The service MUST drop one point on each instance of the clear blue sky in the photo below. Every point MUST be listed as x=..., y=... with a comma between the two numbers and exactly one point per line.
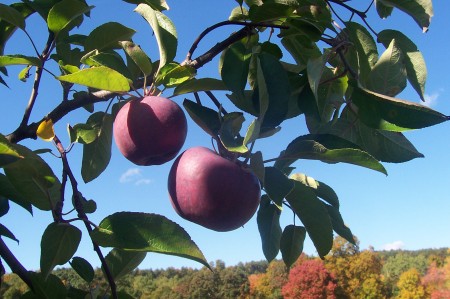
x=408, y=209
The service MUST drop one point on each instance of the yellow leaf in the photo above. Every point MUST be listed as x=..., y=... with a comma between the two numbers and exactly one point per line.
x=45, y=130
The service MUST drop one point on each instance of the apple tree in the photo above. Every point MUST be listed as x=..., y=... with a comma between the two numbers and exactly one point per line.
x=316, y=60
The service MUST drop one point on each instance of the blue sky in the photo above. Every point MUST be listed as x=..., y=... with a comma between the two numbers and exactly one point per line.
x=408, y=209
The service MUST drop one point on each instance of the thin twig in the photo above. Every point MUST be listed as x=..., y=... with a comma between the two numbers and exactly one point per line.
x=216, y=102
x=82, y=215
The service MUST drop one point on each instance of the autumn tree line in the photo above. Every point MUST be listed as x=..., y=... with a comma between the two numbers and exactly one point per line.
x=346, y=273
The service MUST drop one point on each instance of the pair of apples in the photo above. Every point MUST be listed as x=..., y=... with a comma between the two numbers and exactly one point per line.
x=204, y=187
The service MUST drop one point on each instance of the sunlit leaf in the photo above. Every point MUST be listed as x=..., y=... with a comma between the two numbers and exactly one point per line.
x=45, y=130
x=416, y=69
x=365, y=46
x=196, y=85
x=155, y=4
x=313, y=215
x=139, y=57
x=382, y=112
x=229, y=132
x=330, y=149
x=33, y=179
x=291, y=244
x=107, y=36
x=58, y=244
x=147, y=233
x=388, y=75
x=164, y=30
x=268, y=219
x=420, y=10
x=99, y=77
x=122, y=262
x=64, y=12
x=19, y=60
x=173, y=74
x=270, y=12
x=7, y=152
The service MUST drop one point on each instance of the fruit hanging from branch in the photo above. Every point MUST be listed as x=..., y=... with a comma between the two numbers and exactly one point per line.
x=150, y=131
x=212, y=191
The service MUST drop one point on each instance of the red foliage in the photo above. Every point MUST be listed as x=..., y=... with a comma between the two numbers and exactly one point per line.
x=309, y=280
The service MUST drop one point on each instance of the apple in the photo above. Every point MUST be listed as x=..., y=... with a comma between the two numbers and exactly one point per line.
x=150, y=130
x=213, y=191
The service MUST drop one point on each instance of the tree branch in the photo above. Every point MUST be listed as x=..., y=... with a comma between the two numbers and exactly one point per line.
x=14, y=264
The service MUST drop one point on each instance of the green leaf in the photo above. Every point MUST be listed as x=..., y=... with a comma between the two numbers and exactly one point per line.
x=301, y=47
x=83, y=133
x=4, y=207
x=257, y=166
x=83, y=268
x=58, y=245
x=19, y=60
x=383, y=10
x=196, y=85
x=315, y=68
x=234, y=67
x=238, y=13
x=206, y=118
x=155, y=4
x=330, y=149
x=7, y=152
x=107, y=36
x=229, y=133
x=148, y=233
x=321, y=190
x=420, y=10
x=97, y=154
x=291, y=243
x=100, y=78
x=278, y=91
x=4, y=231
x=385, y=146
x=63, y=13
x=8, y=191
x=338, y=224
x=365, y=46
x=139, y=57
x=386, y=113
x=50, y=287
x=33, y=179
x=277, y=185
x=270, y=12
x=313, y=215
x=388, y=75
x=164, y=30
x=268, y=219
x=12, y=16
x=173, y=74
x=416, y=69
x=122, y=262
x=111, y=60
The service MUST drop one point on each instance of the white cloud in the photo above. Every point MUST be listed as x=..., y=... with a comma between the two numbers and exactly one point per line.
x=134, y=176
x=394, y=245
x=130, y=175
x=431, y=99
x=143, y=182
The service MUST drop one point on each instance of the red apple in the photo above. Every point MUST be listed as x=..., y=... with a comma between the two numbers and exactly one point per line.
x=213, y=191
x=150, y=131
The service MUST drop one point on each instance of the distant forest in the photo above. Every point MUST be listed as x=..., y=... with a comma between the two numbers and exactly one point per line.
x=346, y=272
